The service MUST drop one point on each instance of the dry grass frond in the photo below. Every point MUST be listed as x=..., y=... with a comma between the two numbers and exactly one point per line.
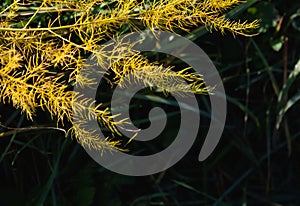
x=44, y=44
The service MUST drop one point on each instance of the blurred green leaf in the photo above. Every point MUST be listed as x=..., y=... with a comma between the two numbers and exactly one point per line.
x=295, y=18
x=267, y=13
x=277, y=43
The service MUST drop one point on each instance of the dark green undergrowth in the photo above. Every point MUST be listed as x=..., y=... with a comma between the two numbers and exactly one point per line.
x=255, y=163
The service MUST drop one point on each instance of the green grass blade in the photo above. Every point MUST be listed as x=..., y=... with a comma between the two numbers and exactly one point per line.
x=182, y=184
x=282, y=109
x=241, y=8
x=267, y=66
x=251, y=169
x=12, y=138
x=244, y=109
x=47, y=187
x=291, y=102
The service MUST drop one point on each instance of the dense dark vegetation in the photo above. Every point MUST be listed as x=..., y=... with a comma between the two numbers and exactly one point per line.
x=255, y=163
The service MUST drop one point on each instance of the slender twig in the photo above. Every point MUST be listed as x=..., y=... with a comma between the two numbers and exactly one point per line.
x=28, y=129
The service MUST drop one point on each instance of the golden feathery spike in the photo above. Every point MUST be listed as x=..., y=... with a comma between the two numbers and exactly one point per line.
x=28, y=52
